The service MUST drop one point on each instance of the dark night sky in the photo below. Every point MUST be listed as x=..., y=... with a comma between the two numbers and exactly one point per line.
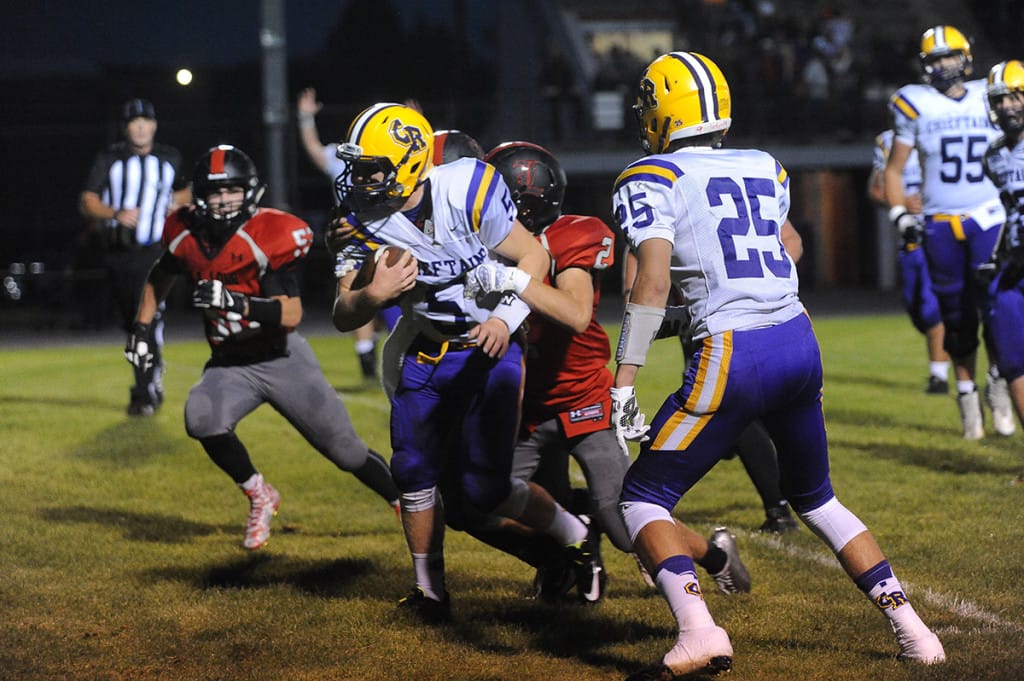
x=77, y=35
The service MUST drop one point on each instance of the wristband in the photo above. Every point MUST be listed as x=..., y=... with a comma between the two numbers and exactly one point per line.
x=265, y=310
x=520, y=280
x=640, y=325
x=307, y=120
x=513, y=313
x=895, y=212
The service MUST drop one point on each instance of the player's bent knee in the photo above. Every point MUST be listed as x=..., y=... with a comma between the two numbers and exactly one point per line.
x=515, y=503
x=639, y=514
x=834, y=523
x=420, y=500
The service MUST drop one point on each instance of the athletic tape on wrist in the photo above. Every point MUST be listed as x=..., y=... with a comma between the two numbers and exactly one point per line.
x=640, y=325
x=895, y=212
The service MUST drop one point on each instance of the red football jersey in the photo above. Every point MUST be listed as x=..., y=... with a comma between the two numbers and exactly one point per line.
x=271, y=240
x=567, y=374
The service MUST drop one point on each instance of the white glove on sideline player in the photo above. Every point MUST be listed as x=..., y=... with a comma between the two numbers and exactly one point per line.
x=626, y=416
x=493, y=277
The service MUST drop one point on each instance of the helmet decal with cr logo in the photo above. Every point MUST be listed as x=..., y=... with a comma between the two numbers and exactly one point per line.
x=407, y=135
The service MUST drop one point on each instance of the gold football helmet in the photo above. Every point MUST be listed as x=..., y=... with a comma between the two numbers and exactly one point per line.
x=942, y=41
x=1006, y=96
x=681, y=94
x=388, y=153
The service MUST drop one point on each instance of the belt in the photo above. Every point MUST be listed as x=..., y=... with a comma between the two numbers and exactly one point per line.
x=956, y=223
x=431, y=352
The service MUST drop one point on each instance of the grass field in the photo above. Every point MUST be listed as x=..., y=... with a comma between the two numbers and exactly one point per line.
x=120, y=552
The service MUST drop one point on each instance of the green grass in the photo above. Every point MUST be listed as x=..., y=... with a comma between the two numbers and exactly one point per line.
x=120, y=551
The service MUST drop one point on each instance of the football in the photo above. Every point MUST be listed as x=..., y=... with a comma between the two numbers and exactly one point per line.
x=364, y=275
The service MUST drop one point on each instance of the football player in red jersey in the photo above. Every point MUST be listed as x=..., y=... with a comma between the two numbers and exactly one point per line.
x=567, y=399
x=242, y=262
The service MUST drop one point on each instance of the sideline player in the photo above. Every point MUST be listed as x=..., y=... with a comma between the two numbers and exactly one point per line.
x=1004, y=164
x=918, y=298
x=947, y=122
x=243, y=262
x=709, y=220
x=455, y=407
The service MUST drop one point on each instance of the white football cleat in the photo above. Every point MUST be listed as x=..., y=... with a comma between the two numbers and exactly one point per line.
x=970, y=415
x=997, y=395
x=706, y=650
x=923, y=649
x=264, y=501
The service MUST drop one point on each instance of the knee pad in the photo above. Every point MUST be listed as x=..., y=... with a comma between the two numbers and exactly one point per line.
x=515, y=503
x=420, y=500
x=959, y=343
x=638, y=514
x=833, y=523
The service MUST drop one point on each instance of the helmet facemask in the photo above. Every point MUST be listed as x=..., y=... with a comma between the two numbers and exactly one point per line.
x=368, y=185
x=942, y=78
x=224, y=167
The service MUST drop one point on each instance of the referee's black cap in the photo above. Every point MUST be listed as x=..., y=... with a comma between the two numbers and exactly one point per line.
x=137, y=108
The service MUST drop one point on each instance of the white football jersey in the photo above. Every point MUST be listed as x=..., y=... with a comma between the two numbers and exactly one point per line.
x=723, y=210
x=911, y=171
x=1005, y=166
x=951, y=136
x=468, y=211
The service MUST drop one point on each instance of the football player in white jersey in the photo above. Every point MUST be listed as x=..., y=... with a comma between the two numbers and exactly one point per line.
x=918, y=298
x=710, y=220
x=946, y=121
x=455, y=407
x=1004, y=164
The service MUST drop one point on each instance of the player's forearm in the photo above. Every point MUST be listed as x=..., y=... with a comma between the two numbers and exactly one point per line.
x=311, y=142
x=352, y=309
x=558, y=306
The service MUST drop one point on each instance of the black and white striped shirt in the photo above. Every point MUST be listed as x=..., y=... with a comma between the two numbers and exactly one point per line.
x=123, y=179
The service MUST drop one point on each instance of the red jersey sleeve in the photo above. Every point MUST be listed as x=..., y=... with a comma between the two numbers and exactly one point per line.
x=579, y=241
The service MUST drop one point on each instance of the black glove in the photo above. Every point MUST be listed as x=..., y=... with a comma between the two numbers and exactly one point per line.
x=339, y=229
x=213, y=294
x=909, y=227
x=675, y=323
x=137, y=350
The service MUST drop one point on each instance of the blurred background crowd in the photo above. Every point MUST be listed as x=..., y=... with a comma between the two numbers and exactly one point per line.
x=810, y=80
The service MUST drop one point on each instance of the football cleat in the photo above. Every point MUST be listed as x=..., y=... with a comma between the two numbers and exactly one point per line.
x=429, y=610
x=704, y=652
x=970, y=415
x=264, y=501
x=997, y=396
x=778, y=520
x=923, y=649
x=733, y=578
x=590, y=575
x=937, y=386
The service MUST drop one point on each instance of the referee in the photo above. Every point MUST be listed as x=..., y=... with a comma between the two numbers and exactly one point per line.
x=132, y=187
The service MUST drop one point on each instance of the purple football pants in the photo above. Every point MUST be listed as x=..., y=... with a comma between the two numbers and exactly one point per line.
x=772, y=374
x=457, y=414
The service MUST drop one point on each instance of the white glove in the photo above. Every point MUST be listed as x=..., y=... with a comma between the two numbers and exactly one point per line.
x=493, y=277
x=137, y=351
x=626, y=416
x=211, y=293
x=908, y=225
